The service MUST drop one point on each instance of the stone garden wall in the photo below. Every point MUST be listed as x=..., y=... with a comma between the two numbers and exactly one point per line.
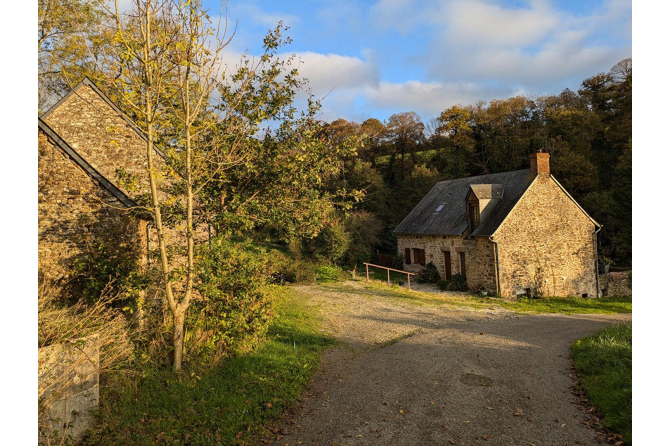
x=68, y=387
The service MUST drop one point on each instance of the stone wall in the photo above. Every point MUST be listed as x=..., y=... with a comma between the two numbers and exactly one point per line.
x=479, y=257
x=75, y=213
x=616, y=284
x=547, y=244
x=68, y=388
x=102, y=137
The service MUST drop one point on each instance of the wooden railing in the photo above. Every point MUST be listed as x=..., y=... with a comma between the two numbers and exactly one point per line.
x=388, y=273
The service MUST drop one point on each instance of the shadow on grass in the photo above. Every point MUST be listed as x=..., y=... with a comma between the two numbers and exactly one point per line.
x=226, y=404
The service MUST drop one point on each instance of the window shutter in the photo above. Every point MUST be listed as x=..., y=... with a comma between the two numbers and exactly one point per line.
x=423, y=257
x=408, y=256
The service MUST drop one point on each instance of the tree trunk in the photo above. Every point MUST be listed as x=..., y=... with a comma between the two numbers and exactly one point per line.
x=178, y=339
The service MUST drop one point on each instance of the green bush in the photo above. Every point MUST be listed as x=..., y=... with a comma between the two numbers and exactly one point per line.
x=328, y=273
x=235, y=308
x=458, y=283
x=331, y=244
x=284, y=269
x=399, y=262
x=429, y=274
x=107, y=266
x=443, y=284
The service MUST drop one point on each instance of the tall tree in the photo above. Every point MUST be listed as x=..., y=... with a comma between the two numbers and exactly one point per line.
x=66, y=31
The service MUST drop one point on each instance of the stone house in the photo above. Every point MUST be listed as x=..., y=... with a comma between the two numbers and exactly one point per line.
x=510, y=233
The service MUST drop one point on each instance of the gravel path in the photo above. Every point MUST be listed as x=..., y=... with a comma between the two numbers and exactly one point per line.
x=427, y=375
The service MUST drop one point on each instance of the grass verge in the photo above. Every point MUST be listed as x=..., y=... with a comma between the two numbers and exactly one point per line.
x=570, y=305
x=565, y=305
x=227, y=404
x=604, y=364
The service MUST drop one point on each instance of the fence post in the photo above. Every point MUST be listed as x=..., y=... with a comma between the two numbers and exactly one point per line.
x=367, y=273
x=388, y=277
x=409, y=283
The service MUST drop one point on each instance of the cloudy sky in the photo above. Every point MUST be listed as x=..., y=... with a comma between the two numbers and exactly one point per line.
x=373, y=59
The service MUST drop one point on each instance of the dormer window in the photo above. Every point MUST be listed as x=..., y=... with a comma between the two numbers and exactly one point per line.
x=473, y=215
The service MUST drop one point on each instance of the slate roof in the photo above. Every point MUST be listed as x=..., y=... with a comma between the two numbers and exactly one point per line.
x=74, y=156
x=451, y=220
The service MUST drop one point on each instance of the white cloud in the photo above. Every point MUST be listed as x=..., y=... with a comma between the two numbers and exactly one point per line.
x=483, y=23
x=426, y=98
x=536, y=48
x=328, y=72
x=261, y=17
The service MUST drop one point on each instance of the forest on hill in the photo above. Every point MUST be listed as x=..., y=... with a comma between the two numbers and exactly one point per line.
x=588, y=134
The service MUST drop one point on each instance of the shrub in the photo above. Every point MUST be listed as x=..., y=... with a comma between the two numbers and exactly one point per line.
x=458, y=283
x=234, y=308
x=328, y=273
x=284, y=269
x=331, y=244
x=109, y=266
x=443, y=284
x=429, y=274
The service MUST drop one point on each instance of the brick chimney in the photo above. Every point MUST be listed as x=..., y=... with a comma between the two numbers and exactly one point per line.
x=539, y=164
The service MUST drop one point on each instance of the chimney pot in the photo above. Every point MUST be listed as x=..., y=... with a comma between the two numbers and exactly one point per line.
x=539, y=164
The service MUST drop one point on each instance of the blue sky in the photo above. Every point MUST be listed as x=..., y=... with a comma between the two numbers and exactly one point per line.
x=375, y=58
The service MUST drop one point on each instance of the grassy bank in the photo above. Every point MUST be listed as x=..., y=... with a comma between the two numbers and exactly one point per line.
x=607, y=305
x=604, y=364
x=227, y=404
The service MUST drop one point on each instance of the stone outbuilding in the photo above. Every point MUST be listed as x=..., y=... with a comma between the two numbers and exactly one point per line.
x=509, y=233
x=78, y=208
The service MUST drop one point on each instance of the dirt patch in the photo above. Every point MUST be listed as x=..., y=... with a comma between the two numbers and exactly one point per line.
x=423, y=374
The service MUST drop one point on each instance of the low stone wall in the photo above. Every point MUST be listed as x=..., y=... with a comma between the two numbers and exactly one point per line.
x=68, y=388
x=616, y=284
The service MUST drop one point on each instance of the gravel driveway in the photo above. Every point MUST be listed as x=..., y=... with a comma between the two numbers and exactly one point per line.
x=437, y=375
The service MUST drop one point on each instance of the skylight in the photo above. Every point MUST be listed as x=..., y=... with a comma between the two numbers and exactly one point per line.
x=439, y=208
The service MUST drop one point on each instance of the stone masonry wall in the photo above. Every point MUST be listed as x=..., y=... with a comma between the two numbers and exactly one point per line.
x=102, y=137
x=74, y=212
x=547, y=244
x=68, y=388
x=616, y=284
x=479, y=257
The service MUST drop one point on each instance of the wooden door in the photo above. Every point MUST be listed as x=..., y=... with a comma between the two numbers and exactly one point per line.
x=447, y=266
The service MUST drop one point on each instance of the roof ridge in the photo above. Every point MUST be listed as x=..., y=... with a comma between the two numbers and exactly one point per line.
x=483, y=175
x=88, y=82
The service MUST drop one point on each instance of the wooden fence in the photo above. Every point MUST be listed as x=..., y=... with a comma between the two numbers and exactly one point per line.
x=388, y=273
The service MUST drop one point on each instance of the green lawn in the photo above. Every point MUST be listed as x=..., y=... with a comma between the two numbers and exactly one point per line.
x=604, y=363
x=226, y=405
x=577, y=305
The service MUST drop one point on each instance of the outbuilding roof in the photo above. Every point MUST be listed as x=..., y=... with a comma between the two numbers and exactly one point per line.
x=449, y=197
